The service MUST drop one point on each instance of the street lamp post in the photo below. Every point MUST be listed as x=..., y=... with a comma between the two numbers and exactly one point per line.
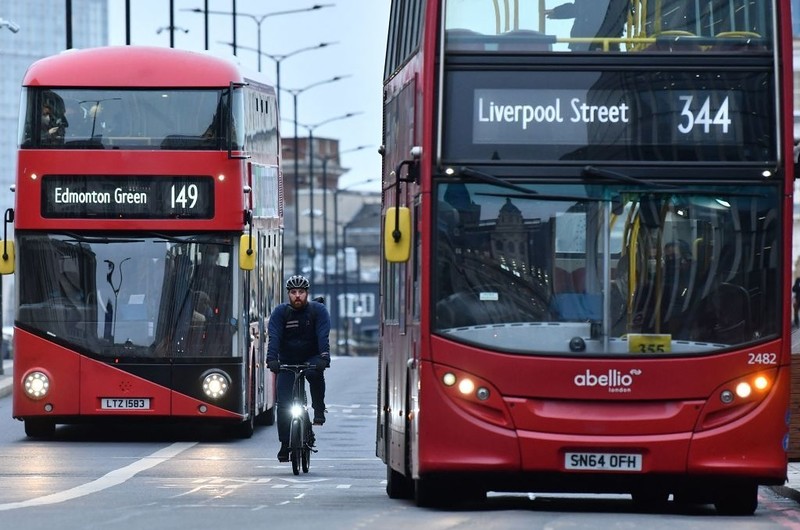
x=340, y=283
x=346, y=298
x=13, y=27
x=311, y=129
x=294, y=93
x=278, y=58
x=68, y=18
x=172, y=27
x=325, y=160
x=258, y=19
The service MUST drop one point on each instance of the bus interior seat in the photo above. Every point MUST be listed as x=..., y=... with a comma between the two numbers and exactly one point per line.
x=739, y=41
x=579, y=279
x=562, y=281
x=577, y=307
x=675, y=41
x=565, y=281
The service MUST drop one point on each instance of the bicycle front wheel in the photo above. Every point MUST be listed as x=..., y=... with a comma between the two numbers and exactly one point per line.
x=296, y=456
x=296, y=445
x=306, y=458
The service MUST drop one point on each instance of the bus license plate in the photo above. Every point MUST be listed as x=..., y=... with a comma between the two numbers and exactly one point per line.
x=125, y=403
x=603, y=461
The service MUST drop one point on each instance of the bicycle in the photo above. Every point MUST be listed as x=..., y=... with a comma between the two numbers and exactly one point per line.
x=301, y=435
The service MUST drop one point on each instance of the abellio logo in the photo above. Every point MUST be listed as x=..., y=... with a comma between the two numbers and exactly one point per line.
x=614, y=380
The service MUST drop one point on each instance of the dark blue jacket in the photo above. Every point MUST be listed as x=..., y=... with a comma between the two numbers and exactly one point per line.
x=295, y=336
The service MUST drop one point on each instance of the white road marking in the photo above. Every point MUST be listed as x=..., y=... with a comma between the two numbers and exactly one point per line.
x=110, y=479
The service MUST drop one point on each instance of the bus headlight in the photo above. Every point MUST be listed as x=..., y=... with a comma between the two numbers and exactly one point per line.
x=37, y=384
x=743, y=389
x=737, y=398
x=761, y=382
x=216, y=384
x=474, y=394
x=466, y=386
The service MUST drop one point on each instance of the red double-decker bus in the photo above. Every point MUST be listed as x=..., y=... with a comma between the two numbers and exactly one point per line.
x=148, y=237
x=587, y=244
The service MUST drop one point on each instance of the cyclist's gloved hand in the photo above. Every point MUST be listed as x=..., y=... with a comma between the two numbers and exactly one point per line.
x=274, y=366
x=324, y=361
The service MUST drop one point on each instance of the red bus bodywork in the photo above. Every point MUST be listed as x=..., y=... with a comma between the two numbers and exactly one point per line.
x=80, y=380
x=442, y=445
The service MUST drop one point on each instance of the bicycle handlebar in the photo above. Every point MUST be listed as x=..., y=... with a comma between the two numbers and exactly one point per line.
x=296, y=367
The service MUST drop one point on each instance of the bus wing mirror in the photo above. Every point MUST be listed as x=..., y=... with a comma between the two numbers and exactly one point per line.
x=397, y=234
x=247, y=253
x=6, y=257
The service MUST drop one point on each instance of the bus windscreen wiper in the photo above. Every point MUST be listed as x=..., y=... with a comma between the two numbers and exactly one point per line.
x=84, y=238
x=594, y=171
x=544, y=197
x=491, y=179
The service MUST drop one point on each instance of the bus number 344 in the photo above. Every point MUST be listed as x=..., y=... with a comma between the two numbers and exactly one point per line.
x=703, y=116
x=183, y=196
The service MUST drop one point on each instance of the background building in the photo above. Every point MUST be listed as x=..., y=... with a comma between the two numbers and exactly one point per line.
x=333, y=237
x=316, y=216
x=40, y=31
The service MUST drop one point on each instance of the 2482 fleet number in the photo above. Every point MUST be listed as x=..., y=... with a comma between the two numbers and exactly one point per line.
x=762, y=358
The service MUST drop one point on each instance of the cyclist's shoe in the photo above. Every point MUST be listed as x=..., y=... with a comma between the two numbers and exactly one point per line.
x=319, y=417
x=283, y=454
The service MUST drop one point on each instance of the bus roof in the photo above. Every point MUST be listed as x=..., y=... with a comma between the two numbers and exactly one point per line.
x=132, y=66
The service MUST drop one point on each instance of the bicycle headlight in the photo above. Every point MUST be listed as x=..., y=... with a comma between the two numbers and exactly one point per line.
x=296, y=411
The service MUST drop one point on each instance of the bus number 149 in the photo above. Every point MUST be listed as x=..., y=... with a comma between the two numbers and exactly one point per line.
x=183, y=196
x=690, y=119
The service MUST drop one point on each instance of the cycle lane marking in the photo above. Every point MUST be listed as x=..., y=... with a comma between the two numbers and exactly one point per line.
x=110, y=479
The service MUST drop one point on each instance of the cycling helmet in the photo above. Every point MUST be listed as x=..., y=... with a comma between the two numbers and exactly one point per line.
x=297, y=282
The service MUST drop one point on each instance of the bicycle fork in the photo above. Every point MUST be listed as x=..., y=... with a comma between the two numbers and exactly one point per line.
x=300, y=434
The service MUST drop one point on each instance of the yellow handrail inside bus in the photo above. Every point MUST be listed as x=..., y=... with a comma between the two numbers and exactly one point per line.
x=632, y=272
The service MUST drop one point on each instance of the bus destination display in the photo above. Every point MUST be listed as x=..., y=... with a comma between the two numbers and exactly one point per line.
x=130, y=197
x=513, y=116
x=715, y=116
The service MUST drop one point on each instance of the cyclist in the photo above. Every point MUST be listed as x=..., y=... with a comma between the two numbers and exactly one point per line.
x=298, y=333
